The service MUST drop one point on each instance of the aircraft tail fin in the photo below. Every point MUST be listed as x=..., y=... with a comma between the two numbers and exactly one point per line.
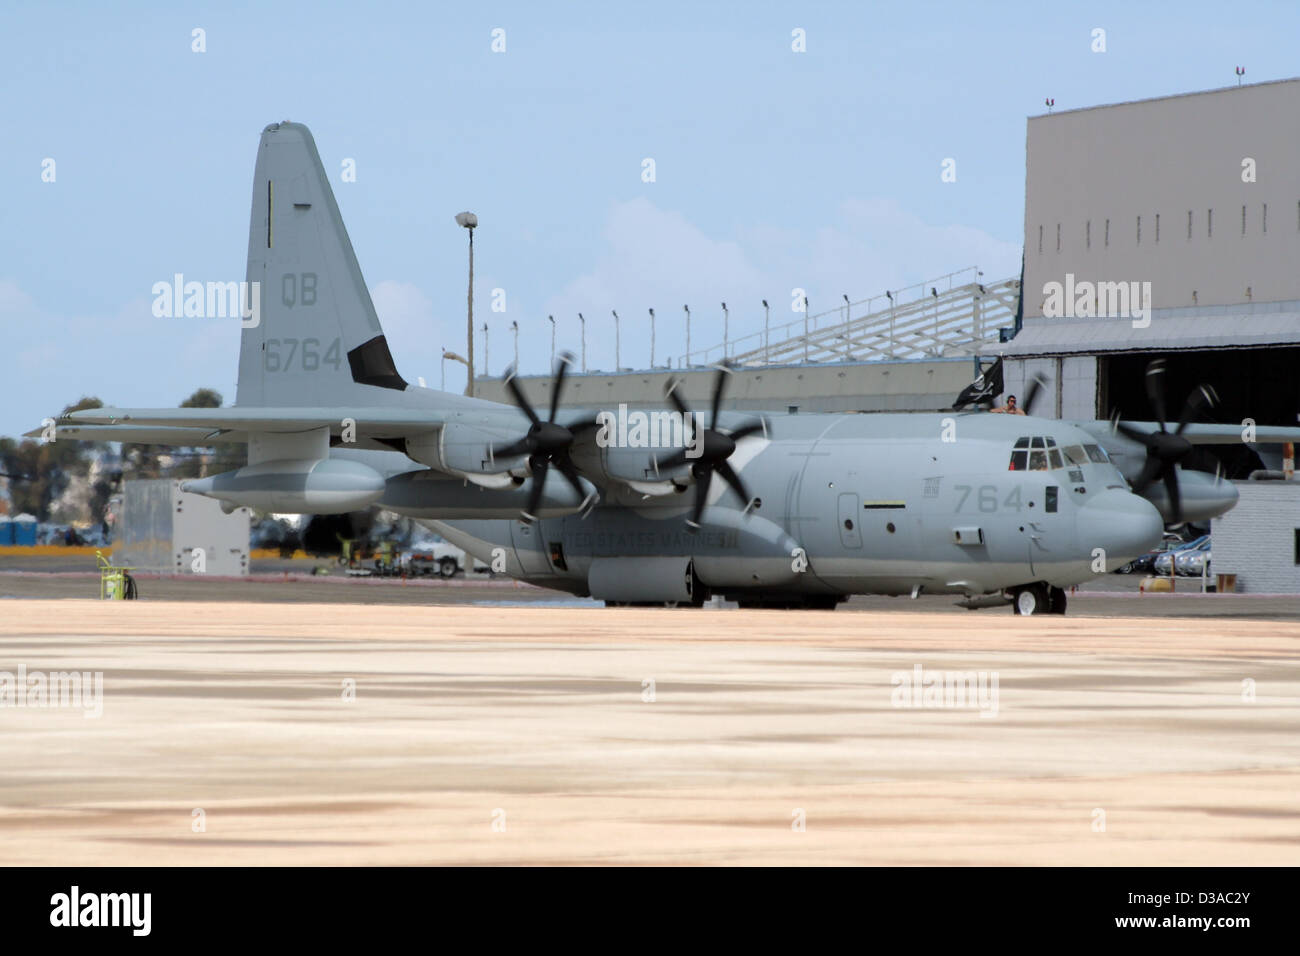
x=314, y=338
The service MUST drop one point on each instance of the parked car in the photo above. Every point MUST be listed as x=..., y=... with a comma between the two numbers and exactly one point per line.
x=1193, y=562
x=1143, y=563
x=1164, y=563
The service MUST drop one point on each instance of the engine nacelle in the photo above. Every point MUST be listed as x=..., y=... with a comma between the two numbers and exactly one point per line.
x=632, y=466
x=466, y=450
x=323, y=486
x=432, y=495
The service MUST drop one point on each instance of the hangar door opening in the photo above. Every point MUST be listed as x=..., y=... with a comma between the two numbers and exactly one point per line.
x=1263, y=384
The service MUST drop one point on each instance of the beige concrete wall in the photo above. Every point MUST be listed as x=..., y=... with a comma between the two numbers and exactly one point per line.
x=1165, y=157
x=863, y=386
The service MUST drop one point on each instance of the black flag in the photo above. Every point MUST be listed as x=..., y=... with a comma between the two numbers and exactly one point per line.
x=984, y=389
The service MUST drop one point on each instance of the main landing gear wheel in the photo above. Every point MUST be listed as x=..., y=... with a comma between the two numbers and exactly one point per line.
x=1030, y=599
x=1038, y=599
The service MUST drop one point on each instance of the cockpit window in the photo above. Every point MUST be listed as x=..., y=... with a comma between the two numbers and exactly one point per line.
x=1097, y=453
x=1075, y=455
x=1042, y=453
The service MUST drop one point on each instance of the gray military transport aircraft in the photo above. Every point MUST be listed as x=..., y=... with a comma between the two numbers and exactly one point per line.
x=806, y=509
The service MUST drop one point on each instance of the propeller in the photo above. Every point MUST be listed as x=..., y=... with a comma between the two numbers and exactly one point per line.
x=547, y=442
x=1031, y=394
x=1166, y=449
x=709, y=450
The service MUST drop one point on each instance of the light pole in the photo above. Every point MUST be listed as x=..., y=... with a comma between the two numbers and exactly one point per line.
x=552, y=318
x=934, y=294
x=688, y=333
x=767, y=321
x=486, y=353
x=451, y=357
x=805, y=330
x=514, y=326
x=890, y=296
x=848, y=354
x=584, y=341
x=726, y=331
x=652, y=338
x=469, y=221
x=617, y=364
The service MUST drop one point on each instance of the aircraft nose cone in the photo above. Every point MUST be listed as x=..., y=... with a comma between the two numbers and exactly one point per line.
x=1121, y=524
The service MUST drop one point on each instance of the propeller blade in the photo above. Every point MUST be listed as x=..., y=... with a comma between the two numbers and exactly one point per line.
x=1143, y=438
x=701, y=495
x=520, y=398
x=535, y=493
x=1031, y=394
x=561, y=368
x=744, y=431
x=1150, y=471
x=676, y=399
x=719, y=386
x=583, y=424
x=567, y=469
x=1203, y=396
x=1175, y=495
x=737, y=485
x=1155, y=382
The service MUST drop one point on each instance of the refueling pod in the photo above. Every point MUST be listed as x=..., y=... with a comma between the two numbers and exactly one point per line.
x=324, y=486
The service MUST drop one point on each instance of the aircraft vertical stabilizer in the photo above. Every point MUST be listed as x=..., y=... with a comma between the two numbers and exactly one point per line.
x=318, y=340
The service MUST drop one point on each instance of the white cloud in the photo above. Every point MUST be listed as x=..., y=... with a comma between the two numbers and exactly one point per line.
x=654, y=257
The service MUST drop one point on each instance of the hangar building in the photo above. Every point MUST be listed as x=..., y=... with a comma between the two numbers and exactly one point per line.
x=1191, y=205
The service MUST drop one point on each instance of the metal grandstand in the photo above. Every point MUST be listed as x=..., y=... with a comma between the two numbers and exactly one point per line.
x=953, y=315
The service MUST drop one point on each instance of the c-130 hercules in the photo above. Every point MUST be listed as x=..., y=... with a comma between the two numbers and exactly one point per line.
x=807, y=508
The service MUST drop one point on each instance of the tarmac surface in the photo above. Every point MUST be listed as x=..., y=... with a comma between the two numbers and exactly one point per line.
x=258, y=730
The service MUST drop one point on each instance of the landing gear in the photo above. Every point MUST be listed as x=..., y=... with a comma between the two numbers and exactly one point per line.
x=1038, y=599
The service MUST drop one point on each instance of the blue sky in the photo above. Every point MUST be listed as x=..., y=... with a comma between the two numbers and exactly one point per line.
x=774, y=169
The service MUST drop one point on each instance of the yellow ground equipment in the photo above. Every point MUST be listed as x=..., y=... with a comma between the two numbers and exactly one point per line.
x=115, y=583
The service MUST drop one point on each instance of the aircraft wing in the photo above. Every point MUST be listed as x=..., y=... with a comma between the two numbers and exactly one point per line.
x=1199, y=434
x=156, y=435
x=394, y=422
